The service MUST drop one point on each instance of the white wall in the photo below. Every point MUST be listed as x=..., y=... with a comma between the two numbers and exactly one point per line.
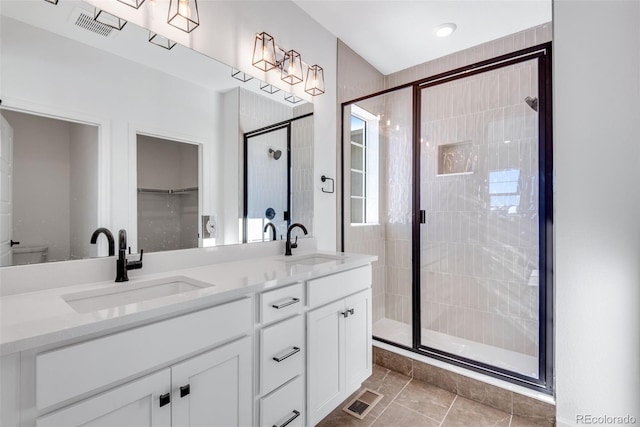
x=83, y=184
x=597, y=208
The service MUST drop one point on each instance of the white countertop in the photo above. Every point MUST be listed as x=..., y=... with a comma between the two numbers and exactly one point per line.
x=34, y=319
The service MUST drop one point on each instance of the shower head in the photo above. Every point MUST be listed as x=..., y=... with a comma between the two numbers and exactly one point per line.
x=276, y=153
x=532, y=102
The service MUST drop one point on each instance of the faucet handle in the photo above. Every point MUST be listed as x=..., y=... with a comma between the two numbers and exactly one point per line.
x=295, y=244
x=134, y=265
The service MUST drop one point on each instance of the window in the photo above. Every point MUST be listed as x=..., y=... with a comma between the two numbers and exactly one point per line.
x=364, y=167
x=503, y=190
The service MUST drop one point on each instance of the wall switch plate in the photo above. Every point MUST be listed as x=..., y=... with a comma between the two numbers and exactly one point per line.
x=209, y=227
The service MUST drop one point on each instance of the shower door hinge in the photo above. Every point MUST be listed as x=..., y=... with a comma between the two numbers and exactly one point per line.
x=423, y=217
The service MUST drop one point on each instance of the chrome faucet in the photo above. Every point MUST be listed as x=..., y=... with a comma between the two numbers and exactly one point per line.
x=294, y=245
x=108, y=235
x=273, y=230
x=122, y=265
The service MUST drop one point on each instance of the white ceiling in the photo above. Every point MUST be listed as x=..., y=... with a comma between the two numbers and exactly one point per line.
x=396, y=34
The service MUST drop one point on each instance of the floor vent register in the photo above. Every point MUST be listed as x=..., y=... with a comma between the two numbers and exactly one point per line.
x=363, y=403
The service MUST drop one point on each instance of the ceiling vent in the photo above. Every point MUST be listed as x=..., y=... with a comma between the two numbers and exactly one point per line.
x=84, y=19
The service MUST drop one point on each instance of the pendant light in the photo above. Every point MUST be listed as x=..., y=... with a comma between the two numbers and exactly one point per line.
x=264, y=52
x=315, y=81
x=291, y=68
x=183, y=14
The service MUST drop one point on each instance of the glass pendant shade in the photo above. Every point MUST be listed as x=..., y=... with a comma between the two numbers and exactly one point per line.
x=108, y=19
x=161, y=41
x=291, y=68
x=183, y=14
x=133, y=3
x=315, y=81
x=264, y=52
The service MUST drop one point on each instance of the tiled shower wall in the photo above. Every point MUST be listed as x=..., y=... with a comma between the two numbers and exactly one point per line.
x=302, y=166
x=477, y=257
x=357, y=78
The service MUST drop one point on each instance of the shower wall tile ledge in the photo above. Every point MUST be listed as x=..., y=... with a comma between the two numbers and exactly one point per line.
x=523, y=402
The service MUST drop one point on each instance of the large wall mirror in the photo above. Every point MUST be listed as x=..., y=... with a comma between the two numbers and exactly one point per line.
x=103, y=128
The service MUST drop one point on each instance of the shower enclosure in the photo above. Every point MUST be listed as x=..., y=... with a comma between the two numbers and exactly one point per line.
x=447, y=180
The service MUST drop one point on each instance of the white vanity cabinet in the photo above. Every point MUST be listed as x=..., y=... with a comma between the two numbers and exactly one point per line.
x=281, y=357
x=133, y=404
x=206, y=390
x=211, y=386
x=338, y=339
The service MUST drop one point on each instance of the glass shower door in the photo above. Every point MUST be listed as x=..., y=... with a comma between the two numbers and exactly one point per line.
x=479, y=196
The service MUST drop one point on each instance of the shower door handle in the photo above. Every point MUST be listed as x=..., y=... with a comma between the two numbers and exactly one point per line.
x=423, y=216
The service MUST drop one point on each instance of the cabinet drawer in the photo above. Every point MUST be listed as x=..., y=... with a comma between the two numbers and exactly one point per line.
x=282, y=353
x=336, y=286
x=77, y=369
x=284, y=406
x=280, y=303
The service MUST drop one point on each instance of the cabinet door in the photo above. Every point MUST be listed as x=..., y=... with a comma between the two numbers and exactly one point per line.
x=357, y=340
x=214, y=389
x=133, y=404
x=325, y=355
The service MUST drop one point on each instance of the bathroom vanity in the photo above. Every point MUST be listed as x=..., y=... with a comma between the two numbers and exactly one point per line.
x=271, y=340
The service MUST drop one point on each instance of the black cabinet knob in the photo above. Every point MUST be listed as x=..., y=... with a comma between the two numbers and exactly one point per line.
x=165, y=399
x=185, y=390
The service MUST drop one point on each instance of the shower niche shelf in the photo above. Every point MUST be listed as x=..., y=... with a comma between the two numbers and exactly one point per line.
x=455, y=158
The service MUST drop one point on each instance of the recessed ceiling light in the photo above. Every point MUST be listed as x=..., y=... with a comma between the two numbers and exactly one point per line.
x=445, y=30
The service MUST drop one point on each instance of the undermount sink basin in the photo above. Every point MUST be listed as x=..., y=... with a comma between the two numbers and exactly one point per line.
x=313, y=259
x=129, y=293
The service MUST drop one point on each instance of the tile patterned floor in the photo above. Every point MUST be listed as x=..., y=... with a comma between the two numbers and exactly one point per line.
x=409, y=402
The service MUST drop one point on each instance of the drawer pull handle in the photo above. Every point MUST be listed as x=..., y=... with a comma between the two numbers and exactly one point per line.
x=346, y=314
x=165, y=399
x=296, y=414
x=185, y=390
x=286, y=304
x=286, y=356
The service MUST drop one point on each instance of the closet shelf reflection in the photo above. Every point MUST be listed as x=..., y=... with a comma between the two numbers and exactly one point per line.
x=168, y=191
